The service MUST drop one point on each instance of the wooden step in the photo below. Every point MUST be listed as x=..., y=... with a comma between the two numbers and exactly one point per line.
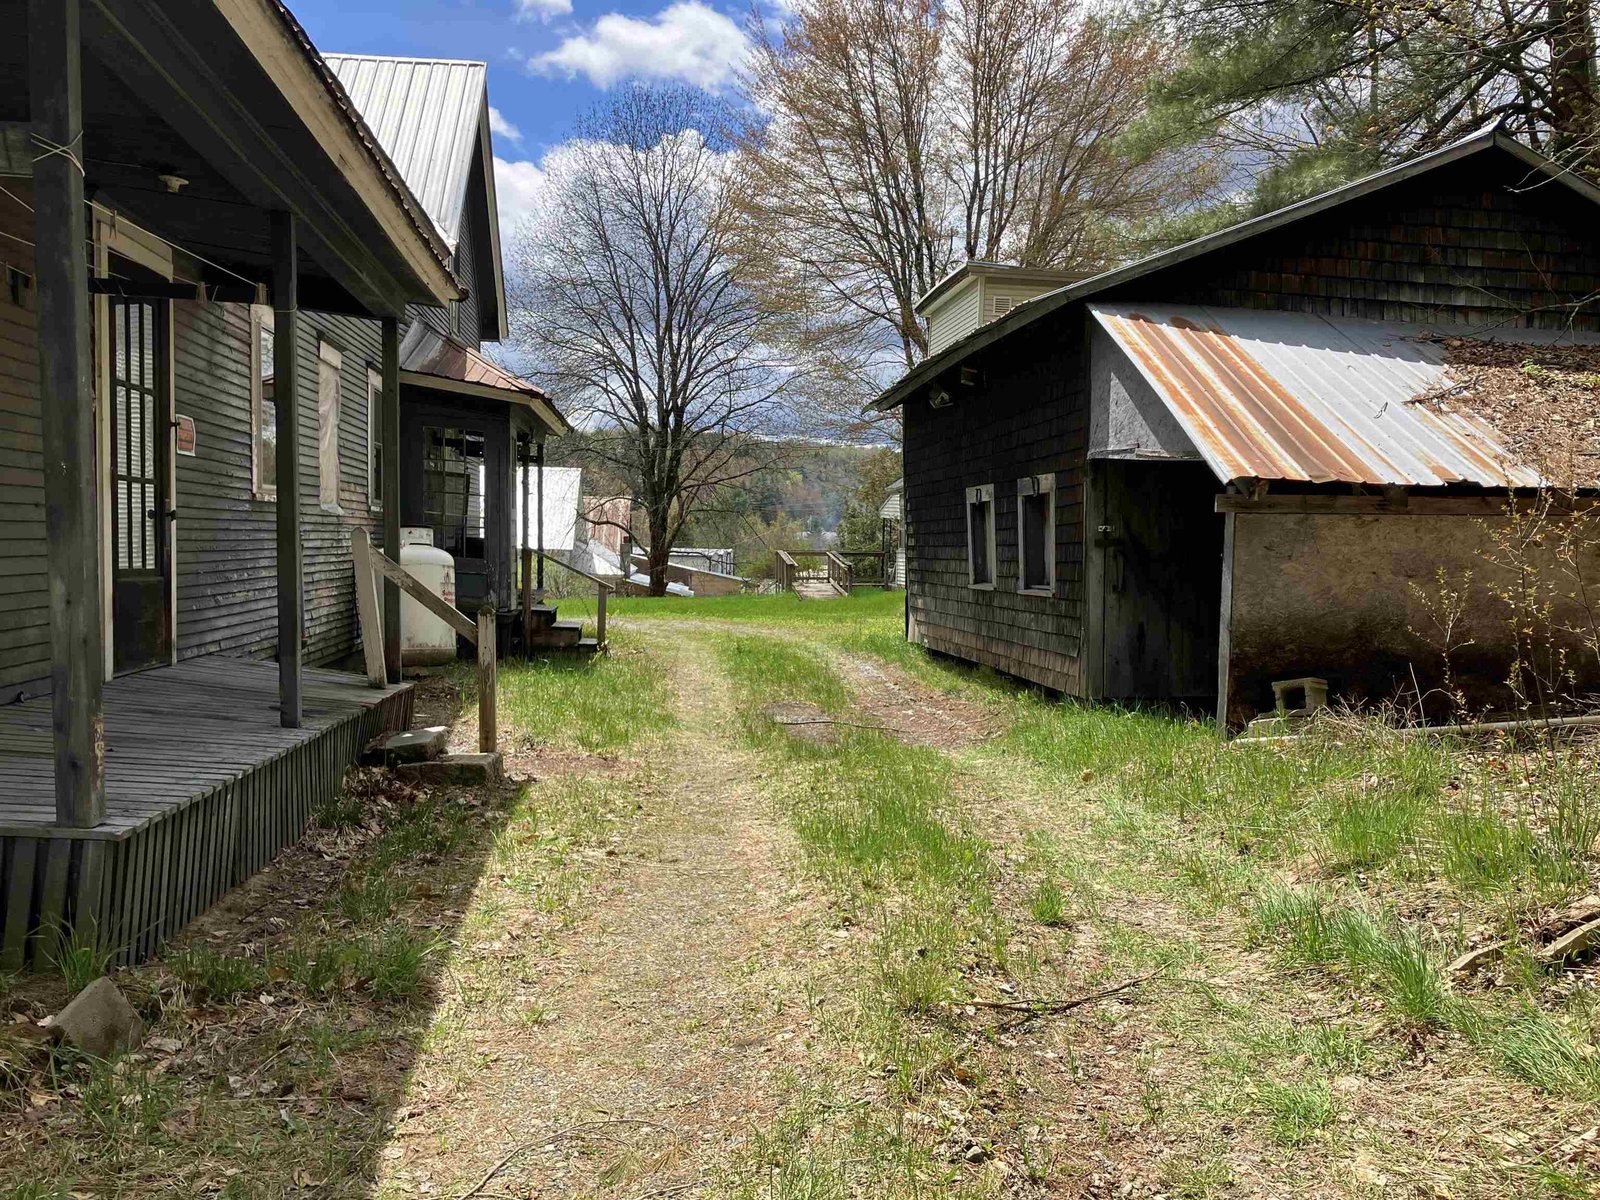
x=558, y=635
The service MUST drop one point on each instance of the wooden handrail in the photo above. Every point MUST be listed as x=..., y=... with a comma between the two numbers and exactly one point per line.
x=603, y=590
x=371, y=564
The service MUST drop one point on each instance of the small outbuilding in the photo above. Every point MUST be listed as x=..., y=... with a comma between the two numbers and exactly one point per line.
x=1280, y=451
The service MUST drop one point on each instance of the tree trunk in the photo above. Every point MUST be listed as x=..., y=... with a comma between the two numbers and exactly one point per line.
x=1572, y=77
x=660, y=551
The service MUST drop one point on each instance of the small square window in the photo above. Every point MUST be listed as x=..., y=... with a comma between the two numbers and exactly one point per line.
x=1036, y=534
x=980, y=536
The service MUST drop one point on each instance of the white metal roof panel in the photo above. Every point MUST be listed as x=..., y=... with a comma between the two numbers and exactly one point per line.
x=1265, y=394
x=426, y=114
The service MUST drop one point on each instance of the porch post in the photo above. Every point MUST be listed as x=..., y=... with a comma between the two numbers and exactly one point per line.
x=538, y=457
x=285, y=395
x=390, y=433
x=525, y=458
x=66, y=395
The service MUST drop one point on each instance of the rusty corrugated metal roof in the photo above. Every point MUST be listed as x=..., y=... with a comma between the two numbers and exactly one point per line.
x=1264, y=394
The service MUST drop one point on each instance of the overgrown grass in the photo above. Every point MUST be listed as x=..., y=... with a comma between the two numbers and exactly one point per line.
x=864, y=604
x=766, y=672
x=607, y=702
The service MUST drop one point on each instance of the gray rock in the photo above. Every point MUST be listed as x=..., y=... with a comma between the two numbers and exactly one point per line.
x=98, y=1021
x=416, y=745
x=459, y=770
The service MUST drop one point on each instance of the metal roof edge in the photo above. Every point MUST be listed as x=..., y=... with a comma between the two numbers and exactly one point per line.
x=400, y=191
x=1491, y=135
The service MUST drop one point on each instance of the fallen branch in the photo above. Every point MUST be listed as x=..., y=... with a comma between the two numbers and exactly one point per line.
x=548, y=1140
x=1050, y=1007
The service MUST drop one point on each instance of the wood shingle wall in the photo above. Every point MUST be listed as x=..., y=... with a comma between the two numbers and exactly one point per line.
x=1474, y=243
x=1451, y=247
x=1026, y=416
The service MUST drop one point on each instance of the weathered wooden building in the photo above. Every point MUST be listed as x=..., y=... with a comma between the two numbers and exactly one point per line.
x=1221, y=466
x=209, y=261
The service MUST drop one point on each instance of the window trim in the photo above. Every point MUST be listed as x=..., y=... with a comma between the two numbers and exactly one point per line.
x=1034, y=485
x=329, y=355
x=374, y=439
x=981, y=492
x=261, y=317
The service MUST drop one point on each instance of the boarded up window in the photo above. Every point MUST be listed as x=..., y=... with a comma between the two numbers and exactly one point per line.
x=1036, y=533
x=329, y=378
x=264, y=412
x=980, y=535
x=374, y=439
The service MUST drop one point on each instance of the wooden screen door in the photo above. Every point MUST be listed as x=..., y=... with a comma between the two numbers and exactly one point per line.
x=141, y=439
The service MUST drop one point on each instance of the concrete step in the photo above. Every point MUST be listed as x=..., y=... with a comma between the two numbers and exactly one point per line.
x=412, y=745
x=455, y=770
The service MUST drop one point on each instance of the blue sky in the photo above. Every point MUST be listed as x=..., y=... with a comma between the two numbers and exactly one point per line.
x=548, y=59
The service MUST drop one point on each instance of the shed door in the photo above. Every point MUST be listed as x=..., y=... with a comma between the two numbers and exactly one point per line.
x=141, y=437
x=1158, y=542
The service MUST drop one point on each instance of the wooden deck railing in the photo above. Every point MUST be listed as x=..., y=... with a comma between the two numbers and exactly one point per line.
x=838, y=573
x=371, y=563
x=602, y=591
x=845, y=569
x=784, y=570
x=866, y=567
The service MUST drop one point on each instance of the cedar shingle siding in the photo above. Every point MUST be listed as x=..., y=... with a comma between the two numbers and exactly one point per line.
x=1027, y=417
x=1453, y=246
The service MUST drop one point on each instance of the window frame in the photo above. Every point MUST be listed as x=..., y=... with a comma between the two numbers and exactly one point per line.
x=981, y=493
x=261, y=318
x=1027, y=486
x=374, y=438
x=329, y=355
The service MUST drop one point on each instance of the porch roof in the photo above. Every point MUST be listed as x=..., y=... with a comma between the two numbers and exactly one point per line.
x=430, y=359
x=202, y=117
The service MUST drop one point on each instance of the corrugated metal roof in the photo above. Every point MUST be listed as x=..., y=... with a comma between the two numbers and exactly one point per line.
x=426, y=113
x=1275, y=395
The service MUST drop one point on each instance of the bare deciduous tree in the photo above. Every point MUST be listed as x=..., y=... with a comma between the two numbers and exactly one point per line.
x=895, y=138
x=628, y=303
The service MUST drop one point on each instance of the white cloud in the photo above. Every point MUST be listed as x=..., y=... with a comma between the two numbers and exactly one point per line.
x=687, y=41
x=517, y=186
x=498, y=124
x=543, y=9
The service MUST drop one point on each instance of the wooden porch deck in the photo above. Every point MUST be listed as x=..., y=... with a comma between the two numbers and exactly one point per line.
x=203, y=788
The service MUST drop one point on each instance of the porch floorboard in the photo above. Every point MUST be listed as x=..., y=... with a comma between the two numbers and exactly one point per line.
x=173, y=734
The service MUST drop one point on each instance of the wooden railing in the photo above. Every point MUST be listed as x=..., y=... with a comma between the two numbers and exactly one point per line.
x=784, y=570
x=602, y=591
x=838, y=567
x=371, y=564
x=867, y=567
x=838, y=573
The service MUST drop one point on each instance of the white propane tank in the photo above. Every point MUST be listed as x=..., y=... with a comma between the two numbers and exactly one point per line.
x=425, y=640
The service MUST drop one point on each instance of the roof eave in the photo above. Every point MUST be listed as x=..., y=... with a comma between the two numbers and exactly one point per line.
x=1041, y=306
x=278, y=41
